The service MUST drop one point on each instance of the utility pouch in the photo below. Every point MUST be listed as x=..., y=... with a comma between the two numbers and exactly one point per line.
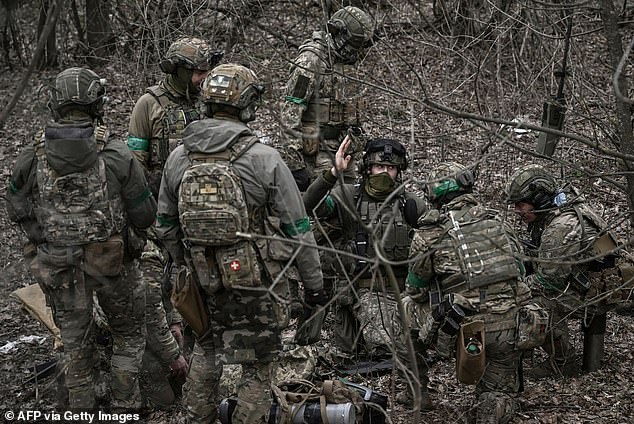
x=470, y=356
x=532, y=323
x=310, y=139
x=239, y=266
x=187, y=300
x=104, y=259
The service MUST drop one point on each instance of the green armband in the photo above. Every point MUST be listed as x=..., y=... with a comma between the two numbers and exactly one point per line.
x=141, y=198
x=12, y=187
x=136, y=143
x=300, y=226
x=295, y=100
x=165, y=221
x=415, y=281
x=330, y=205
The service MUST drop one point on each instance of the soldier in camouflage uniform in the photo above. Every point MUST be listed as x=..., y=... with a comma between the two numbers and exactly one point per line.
x=244, y=322
x=321, y=103
x=440, y=270
x=156, y=125
x=78, y=195
x=371, y=215
x=565, y=233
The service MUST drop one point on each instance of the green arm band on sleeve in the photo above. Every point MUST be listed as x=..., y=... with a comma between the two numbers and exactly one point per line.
x=330, y=179
x=330, y=205
x=140, y=199
x=165, y=221
x=135, y=143
x=547, y=284
x=295, y=100
x=300, y=226
x=415, y=281
x=12, y=187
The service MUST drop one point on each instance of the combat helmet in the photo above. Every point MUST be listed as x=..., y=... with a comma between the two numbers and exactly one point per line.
x=233, y=88
x=77, y=88
x=351, y=30
x=190, y=53
x=532, y=184
x=384, y=151
x=448, y=180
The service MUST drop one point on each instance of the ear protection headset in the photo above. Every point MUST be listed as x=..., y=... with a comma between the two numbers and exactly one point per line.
x=540, y=197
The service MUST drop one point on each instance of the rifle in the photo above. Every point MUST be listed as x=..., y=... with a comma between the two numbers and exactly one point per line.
x=554, y=109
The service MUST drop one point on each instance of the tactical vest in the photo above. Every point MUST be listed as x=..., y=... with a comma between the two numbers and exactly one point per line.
x=331, y=106
x=74, y=209
x=177, y=115
x=474, y=250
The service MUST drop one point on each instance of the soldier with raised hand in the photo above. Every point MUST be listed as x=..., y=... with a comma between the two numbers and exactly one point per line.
x=372, y=220
x=321, y=103
x=156, y=125
x=77, y=194
x=218, y=188
x=464, y=269
x=565, y=234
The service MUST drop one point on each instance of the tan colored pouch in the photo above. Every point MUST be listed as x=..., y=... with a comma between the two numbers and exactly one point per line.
x=187, y=300
x=104, y=259
x=470, y=365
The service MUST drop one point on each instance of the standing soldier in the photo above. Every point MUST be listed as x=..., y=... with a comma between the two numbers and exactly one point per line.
x=565, y=234
x=464, y=263
x=371, y=216
x=78, y=195
x=218, y=187
x=321, y=104
x=156, y=125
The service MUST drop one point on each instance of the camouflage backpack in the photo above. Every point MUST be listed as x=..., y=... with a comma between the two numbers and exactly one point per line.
x=484, y=249
x=212, y=211
x=74, y=208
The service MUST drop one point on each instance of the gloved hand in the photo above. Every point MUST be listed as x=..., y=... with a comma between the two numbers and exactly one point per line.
x=314, y=298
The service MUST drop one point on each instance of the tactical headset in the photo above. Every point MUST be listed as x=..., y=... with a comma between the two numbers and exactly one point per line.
x=171, y=64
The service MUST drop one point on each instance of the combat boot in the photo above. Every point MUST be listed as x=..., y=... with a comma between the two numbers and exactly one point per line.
x=495, y=408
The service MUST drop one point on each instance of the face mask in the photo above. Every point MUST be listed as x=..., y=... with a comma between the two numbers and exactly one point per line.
x=379, y=185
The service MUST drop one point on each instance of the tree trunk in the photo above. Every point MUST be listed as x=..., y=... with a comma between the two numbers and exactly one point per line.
x=623, y=114
x=49, y=55
x=99, y=35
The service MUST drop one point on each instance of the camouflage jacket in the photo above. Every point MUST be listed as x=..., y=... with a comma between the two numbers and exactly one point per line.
x=156, y=125
x=267, y=183
x=562, y=240
x=320, y=100
x=437, y=268
x=124, y=178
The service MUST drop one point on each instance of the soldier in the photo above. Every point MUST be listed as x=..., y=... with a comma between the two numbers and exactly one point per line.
x=321, y=105
x=565, y=232
x=78, y=195
x=373, y=225
x=219, y=184
x=463, y=257
x=156, y=125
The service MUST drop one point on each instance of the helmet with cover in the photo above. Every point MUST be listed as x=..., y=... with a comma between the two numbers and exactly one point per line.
x=77, y=89
x=233, y=89
x=190, y=53
x=532, y=184
x=448, y=180
x=351, y=30
x=384, y=151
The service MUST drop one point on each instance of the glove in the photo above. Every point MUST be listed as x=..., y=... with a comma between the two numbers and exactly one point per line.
x=410, y=213
x=314, y=298
x=302, y=178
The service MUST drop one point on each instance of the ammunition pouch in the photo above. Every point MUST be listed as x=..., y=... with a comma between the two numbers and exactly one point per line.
x=470, y=366
x=54, y=267
x=531, y=327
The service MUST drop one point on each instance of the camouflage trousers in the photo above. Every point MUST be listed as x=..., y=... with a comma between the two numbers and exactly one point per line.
x=161, y=347
x=201, y=389
x=373, y=318
x=122, y=300
x=497, y=389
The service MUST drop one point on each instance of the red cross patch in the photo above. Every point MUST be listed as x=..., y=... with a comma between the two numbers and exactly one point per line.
x=234, y=265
